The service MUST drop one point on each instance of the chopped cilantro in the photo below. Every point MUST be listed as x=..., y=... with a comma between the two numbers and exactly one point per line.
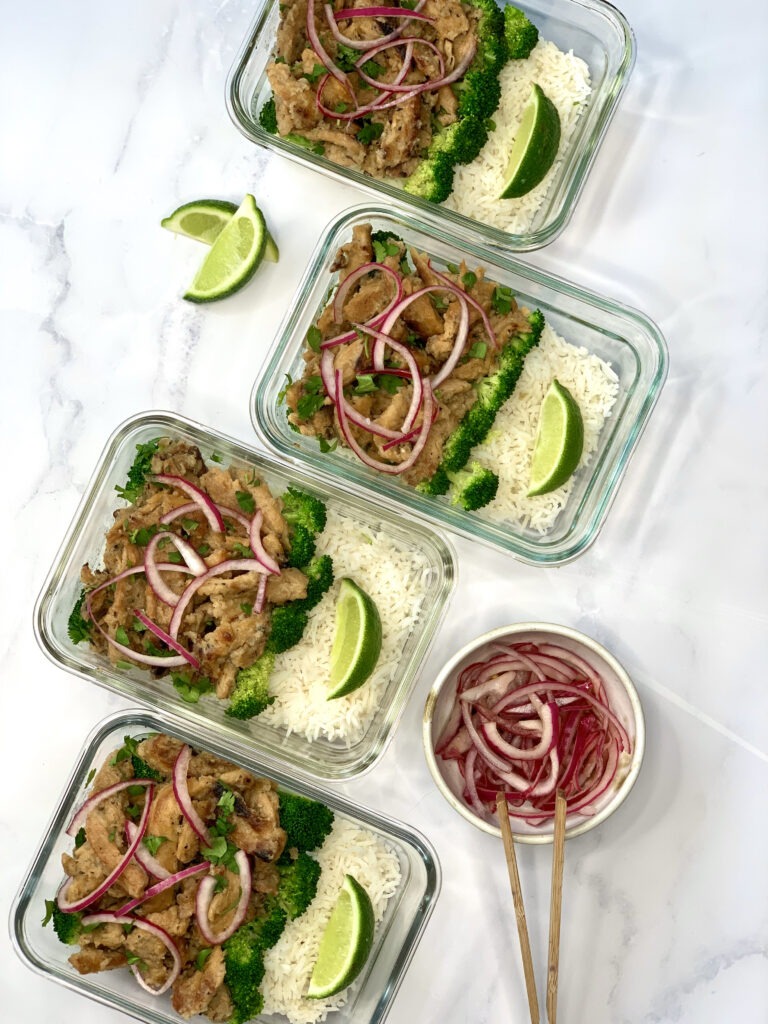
x=389, y=383
x=439, y=302
x=469, y=280
x=189, y=525
x=340, y=108
x=90, y=777
x=478, y=350
x=383, y=249
x=143, y=535
x=346, y=57
x=49, y=906
x=121, y=635
x=204, y=549
x=175, y=557
x=246, y=502
x=372, y=69
x=314, y=338
x=153, y=843
x=121, y=663
x=242, y=550
x=284, y=390
x=308, y=405
x=328, y=446
x=215, y=457
x=452, y=268
x=201, y=958
x=317, y=72
x=138, y=626
x=190, y=691
x=370, y=131
x=246, y=608
x=80, y=838
x=78, y=628
x=365, y=384
x=139, y=471
x=300, y=140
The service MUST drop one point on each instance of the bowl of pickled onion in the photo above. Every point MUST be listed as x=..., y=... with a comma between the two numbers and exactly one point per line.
x=527, y=710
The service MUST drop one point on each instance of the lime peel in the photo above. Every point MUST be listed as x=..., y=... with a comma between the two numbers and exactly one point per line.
x=535, y=146
x=346, y=942
x=559, y=441
x=356, y=642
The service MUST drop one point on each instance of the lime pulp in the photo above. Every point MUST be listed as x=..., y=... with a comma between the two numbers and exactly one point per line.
x=346, y=942
x=234, y=257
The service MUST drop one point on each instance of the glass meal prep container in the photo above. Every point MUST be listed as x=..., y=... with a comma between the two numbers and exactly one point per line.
x=331, y=759
x=397, y=936
x=622, y=337
x=593, y=30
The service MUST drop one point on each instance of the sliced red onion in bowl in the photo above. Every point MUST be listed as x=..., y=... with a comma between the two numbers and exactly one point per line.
x=205, y=892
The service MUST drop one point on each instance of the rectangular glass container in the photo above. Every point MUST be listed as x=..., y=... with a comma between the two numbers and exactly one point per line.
x=397, y=936
x=84, y=542
x=594, y=30
x=621, y=336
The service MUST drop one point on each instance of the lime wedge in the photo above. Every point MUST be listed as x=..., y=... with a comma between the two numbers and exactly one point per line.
x=346, y=942
x=356, y=642
x=234, y=256
x=559, y=441
x=203, y=219
x=535, y=147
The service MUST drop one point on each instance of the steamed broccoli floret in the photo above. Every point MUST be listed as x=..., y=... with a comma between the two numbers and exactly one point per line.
x=288, y=624
x=137, y=474
x=268, y=116
x=298, y=883
x=433, y=178
x=520, y=36
x=78, y=628
x=306, y=822
x=462, y=140
x=436, y=484
x=66, y=926
x=492, y=392
x=306, y=516
x=143, y=770
x=244, y=962
x=319, y=575
x=474, y=487
x=479, y=91
x=251, y=693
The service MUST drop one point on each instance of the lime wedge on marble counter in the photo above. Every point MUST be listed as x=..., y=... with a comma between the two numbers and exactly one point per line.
x=205, y=219
x=234, y=257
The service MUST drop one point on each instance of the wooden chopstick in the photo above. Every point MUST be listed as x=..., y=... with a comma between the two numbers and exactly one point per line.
x=555, y=906
x=517, y=899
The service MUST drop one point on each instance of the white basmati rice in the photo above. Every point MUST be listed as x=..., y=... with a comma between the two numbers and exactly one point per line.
x=394, y=575
x=348, y=850
x=564, y=78
x=509, y=447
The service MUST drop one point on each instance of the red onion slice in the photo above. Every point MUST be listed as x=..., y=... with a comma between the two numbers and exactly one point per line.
x=329, y=383
x=153, y=929
x=386, y=467
x=474, y=303
x=405, y=353
x=166, y=883
x=81, y=814
x=395, y=85
x=261, y=595
x=206, y=505
x=229, y=565
x=183, y=799
x=205, y=893
x=194, y=563
x=257, y=546
x=74, y=906
x=166, y=638
x=351, y=280
x=150, y=864
x=322, y=53
x=369, y=44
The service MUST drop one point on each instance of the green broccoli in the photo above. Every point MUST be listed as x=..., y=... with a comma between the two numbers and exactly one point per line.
x=288, y=625
x=479, y=91
x=67, y=926
x=79, y=628
x=251, y=693
x=137, y=474
x=474, y=487
x=268, y=116
x=143, y=770
x=306, y=822
x=244, y=961
x=436, y=484
x=298, y=883
x=433, y=178
x=306, y=516
x=319, y=575
x=520, y=36
x=492, y=392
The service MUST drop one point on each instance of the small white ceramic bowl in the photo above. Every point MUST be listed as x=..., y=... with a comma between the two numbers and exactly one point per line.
x=622, y=698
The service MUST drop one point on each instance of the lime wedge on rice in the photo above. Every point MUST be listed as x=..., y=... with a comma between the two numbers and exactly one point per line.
x=535, y=147
x=346, y=942
x=234, y=257
x=559, y=441
x=205, y=219
x=356, y=642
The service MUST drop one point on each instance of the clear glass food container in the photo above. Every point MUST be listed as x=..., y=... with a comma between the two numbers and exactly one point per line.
x=84, y=543
x=622, y=337
x=593, y=30
x=397, y=936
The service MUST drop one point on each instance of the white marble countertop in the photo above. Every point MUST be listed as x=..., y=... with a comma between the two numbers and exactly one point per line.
x=111, y=115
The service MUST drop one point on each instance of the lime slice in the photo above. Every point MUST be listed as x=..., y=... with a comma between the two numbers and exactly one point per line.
x=559, y=440
x=234, y=256
x=356, y=642
x=535, y=147
x=203, y=219
x=346, y=942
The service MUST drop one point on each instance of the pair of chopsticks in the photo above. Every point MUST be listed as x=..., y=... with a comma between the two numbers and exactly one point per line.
x=555, y=906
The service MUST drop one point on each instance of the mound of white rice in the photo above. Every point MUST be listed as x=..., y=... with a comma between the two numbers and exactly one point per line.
x=348, y=850
x=564, y=78
x=509, y=447
x=394, y=576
